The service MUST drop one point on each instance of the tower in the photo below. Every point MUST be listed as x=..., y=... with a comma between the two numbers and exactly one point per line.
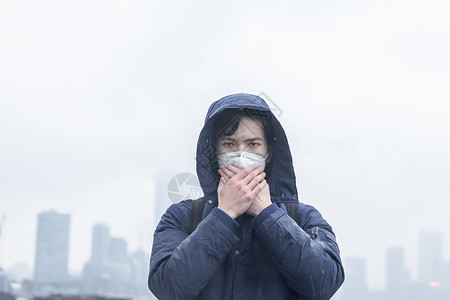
x=396, y=273
x=52, y=247
x=431, y=257
x=100, y=243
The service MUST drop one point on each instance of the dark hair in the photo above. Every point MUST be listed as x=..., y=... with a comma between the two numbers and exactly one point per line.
x=227, y=122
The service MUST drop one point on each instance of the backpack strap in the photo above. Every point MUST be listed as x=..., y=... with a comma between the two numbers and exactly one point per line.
x=196, y=213
x=292, y=210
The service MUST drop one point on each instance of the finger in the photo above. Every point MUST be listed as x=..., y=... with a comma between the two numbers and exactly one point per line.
x=247, y=179
x=222, y=174
x=252, y=184
x=227, y=173
x=244, y=172
x=232, y=169
x=258, y=188
x=221, y=184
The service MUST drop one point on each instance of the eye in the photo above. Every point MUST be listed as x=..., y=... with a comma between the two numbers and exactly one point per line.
x=227, y=144
x=253, y=144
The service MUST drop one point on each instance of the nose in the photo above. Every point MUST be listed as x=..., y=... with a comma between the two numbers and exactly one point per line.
x=241, y=147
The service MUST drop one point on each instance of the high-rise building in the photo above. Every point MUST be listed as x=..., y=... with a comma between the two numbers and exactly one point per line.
x=397, y=276
x=355, y=285
x=139, y=262
x=117, y=250
x=52, y=247
x=109, y=270
x=431, y=257
x=100, y=243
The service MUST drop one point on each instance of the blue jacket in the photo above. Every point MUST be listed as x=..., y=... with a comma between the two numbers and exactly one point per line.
x=264, y=257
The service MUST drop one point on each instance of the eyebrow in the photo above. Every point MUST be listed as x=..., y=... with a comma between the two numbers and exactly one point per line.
x=247, y=140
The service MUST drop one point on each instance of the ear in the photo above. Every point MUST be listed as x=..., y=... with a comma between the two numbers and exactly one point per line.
x=269, y=158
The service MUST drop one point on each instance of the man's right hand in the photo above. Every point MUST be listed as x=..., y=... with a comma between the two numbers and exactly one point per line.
x=236, y=194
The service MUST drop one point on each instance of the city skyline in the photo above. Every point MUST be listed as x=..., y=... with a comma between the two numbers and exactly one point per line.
x=106, y=248
x=433, y=280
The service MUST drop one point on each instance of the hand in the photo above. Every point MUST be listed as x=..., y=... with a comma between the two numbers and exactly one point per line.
x=261, y=200
x=236, y=191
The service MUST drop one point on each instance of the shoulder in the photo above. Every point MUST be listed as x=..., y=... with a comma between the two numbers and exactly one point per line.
x=177, y=215
x=310, y=217
x=319, y=229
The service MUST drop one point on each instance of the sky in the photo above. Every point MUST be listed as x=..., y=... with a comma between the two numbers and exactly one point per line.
x=99, y=98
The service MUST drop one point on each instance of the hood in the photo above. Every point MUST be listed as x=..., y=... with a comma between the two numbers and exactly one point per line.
x=281, y=177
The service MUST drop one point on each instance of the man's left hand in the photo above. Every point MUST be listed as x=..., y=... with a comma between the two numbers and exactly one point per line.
x=262, y=199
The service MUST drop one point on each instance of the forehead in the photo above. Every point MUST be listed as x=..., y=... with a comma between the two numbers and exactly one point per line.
x=249, y=126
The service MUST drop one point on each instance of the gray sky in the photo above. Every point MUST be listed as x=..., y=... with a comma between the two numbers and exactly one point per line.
x=99, y=97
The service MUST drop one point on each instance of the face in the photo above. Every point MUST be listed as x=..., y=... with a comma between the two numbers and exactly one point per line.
x=248, y=137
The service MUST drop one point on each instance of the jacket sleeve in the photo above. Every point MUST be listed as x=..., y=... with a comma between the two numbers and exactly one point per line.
x=182, y=264
x=306, y=255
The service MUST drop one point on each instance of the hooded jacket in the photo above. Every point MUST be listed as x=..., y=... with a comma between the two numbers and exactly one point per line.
x=269, y=256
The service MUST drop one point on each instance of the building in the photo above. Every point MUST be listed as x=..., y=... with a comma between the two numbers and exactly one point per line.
x=109, y=271
x=100, y=243
x=117, y=250
x=397, y=276
x=355, y=285
x=431, y=257
x=52, y=247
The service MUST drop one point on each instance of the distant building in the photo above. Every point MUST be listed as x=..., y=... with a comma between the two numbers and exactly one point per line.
x=355, y=285
x=4, y=282
x=117, y=250
x=109, y=271
x=431, y=257
x=6, y=296
x=397, y=276
x=19, y=271
x=100, y=243
x=139, y=261
x=52, y=247
x=446, y=276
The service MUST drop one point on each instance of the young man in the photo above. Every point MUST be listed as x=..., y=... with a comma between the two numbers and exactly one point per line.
x=246, y=244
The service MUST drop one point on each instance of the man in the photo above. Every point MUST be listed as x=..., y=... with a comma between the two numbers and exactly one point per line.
x=246, y=246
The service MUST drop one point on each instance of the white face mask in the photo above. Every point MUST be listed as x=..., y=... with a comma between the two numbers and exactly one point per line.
x=241, y=159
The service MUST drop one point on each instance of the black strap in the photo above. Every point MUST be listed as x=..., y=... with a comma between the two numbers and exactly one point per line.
x=196, y=213
x=292, y=210
x=199, y=205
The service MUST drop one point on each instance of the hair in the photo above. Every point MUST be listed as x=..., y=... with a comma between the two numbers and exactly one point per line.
x=227, y=122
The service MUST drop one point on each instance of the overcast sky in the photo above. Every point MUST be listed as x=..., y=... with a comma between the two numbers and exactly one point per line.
x=99, y=97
